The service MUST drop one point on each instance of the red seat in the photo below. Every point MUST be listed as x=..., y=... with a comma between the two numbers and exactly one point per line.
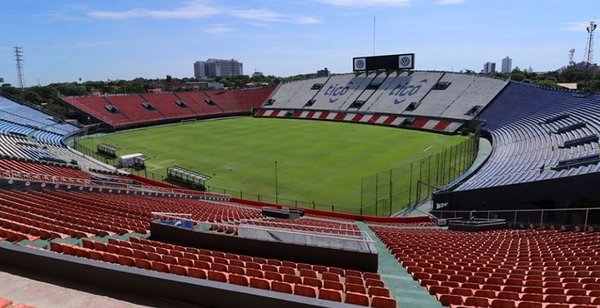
x=160, y=267
x=292, y=279
x=492, y=287
x=337, y=270
x=169, y=259
x=353, y=273
x=526, y=304
x=197, y=273
x=260, y=283
x=449, y=299
x=383, y=302
x=328, y=284
x=462, y=291
x=534, y=283
x=420, y=276
x=556, y=298
x=581, y=300
x=450, y=284
x=309, y=281
x=253, y=272
x=287, y=270
x=217, y=276
x=330, y=295
x=378, y=291
x=356, y=288
x=532, y=297
x=485, y=293
x=508, y=295
x=185, y=262
x=354, y=280
x=370, y=282
x=554, y=291
x=127, y=261
x=371, y=275
x=178, y=270
x=433, y=290
x=330, y=276
x=476, y=302
x=357, y=299
x=503, y=303
x=200, y=264
x=217, y=267
x=110, y=257
x=95, y=255
x=307, y=291
x=577, y=292
x=272, y=276
x=308, y=273
x=280, y=286
x=141, y=263
x=535, y=290
x=429, y=282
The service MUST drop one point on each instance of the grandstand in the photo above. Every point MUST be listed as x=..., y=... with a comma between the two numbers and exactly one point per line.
x=131, y=110
x=435, y=101
x=63, y=214
x=545, y=147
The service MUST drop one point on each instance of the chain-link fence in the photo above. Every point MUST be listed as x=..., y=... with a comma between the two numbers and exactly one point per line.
x=389, y=191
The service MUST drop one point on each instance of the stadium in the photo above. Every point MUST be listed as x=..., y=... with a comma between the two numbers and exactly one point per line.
x=510, y=224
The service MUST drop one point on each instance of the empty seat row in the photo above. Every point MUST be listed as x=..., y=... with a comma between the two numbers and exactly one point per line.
x=235, y=269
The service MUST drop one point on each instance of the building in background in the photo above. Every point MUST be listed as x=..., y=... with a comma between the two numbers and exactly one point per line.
x=489, y=68
x=200, y=69
x=506, y=65
x=213, y=68
x=323, y=73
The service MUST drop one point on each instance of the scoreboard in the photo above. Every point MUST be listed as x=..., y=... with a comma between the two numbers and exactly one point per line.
x=389, y=62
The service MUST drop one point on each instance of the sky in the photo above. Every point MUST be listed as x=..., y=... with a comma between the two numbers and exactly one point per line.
x=63, y=40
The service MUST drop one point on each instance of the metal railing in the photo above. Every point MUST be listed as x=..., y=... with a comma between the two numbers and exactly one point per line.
x=362, y=242
x=580, y=218
x=87, y=183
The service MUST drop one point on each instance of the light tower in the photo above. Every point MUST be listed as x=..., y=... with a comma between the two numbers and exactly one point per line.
x=19, y=60
x=589, y=47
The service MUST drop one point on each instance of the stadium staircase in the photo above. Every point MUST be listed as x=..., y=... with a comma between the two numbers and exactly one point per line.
x=407, y=291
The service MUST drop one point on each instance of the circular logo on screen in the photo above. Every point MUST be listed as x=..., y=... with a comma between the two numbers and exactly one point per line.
x=405, y=61
x=360, y=63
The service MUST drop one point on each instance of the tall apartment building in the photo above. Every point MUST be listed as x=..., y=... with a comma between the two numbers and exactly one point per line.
x=212, y=68
x=489, y=68
x=506, y=65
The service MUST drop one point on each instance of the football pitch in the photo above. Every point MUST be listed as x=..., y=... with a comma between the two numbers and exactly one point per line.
x=313, y=162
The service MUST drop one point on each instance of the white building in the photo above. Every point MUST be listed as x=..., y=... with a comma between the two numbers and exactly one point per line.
x=212, y=68
x=506, y=65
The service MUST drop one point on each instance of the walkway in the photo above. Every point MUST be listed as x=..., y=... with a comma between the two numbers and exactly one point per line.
x=407, y=291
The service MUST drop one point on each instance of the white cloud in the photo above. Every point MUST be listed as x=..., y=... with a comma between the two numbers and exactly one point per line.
x=447, y=2
x=576, y=26
x=367, y=3
x=307, y=20
x=218, y=29
x=257, y=15
x=191, y=10
x=199, y=9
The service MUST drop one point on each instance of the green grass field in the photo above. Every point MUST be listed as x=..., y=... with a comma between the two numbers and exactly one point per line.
x=316, y=161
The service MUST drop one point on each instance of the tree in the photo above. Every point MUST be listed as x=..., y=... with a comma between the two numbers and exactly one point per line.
x=517, y=75
x=33, y=97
